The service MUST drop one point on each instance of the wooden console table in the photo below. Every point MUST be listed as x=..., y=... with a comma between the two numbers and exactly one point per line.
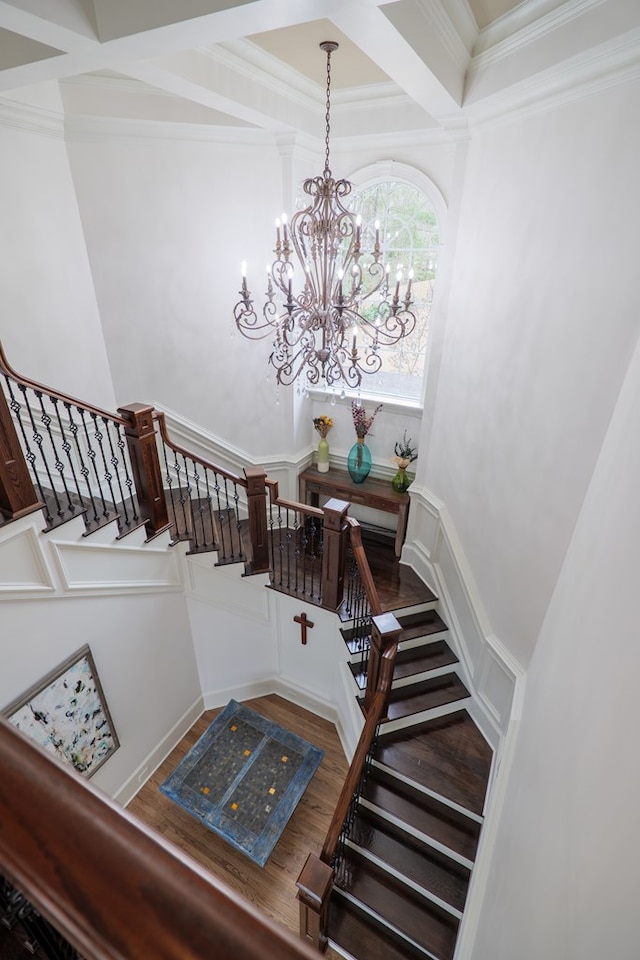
x=374, y=493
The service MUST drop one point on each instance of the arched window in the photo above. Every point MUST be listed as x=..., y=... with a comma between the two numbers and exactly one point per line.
x=410, y=232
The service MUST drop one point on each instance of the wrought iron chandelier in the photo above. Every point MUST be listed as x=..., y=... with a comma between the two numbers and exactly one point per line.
x=346, y=311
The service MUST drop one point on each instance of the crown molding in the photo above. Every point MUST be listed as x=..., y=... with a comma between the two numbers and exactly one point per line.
x=95, y=129
x=438, y=21
x=523, y=26
x=20, y=116
x=606, y=66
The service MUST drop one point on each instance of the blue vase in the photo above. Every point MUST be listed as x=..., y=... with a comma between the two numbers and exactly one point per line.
x=359, y=461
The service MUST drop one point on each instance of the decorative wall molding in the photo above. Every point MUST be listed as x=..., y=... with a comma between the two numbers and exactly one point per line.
x=435, y=552
x=94, y=129
x=64, y=563
x=102, y=567
x=585, y=75
x=21, y=116
x=526, y=24
x=24, y=570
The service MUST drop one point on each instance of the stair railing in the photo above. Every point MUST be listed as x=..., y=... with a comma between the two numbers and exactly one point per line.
x=308, y=548
x=205, y=503
x=319, y=874
x=70, y=458
x=123, y=891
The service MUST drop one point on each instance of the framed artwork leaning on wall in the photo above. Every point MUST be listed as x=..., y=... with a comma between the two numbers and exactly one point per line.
x=66, y=713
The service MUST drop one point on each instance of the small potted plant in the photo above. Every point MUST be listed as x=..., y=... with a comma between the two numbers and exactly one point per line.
x=405, y=454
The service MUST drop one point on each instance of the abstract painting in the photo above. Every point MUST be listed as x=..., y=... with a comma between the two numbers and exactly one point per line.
x=67, y=714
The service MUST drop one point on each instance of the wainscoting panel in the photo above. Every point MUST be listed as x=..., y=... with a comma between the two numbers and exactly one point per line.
x=24, y=570
x=434, y=551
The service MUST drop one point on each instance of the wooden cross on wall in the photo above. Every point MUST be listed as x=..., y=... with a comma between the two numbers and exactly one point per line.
x=304, y=625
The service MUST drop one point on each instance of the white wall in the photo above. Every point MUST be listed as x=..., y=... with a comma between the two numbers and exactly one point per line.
x=566, y=867
x=542, y=320
x=143, y=654
x=50, y=326
x=167, y=224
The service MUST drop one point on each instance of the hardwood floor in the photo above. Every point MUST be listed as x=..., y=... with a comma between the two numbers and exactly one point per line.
x=272, y=888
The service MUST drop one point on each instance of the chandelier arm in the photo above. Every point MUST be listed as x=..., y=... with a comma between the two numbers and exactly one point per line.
x=315, y=331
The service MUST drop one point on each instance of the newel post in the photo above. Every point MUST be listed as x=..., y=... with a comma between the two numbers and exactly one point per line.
x=145, y=463
x=314, y=889
x=334, y=550
x=384, y=630
x=17, y=493
x=257, y=506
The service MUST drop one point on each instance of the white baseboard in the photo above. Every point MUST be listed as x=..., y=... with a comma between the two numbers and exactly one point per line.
x=125, y=794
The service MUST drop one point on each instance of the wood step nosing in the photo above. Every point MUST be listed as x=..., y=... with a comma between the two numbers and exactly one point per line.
x=406, y=881
x=340, y=950
x=425, y=640
x=417, y=834
x=423, y=675
x=439, y=797
x=412, y=719
x=364, y=908
x=415, y=608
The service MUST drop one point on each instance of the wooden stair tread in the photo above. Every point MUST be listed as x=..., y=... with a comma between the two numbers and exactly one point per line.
x=425, y=695
x=448, y=755
x=423, y=865
x=364, y=937
x=421, y=624
x=416, y=917
x=428, y=656
x=423, y=813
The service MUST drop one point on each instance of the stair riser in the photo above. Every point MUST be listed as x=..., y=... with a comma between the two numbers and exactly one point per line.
x=424, y=675
x=392, y=726
x=381, y=920
x=416, y=834
x=422, y=891
x=429, y=793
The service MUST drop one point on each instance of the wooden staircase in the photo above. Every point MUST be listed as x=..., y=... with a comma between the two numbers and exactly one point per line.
x=402, y=880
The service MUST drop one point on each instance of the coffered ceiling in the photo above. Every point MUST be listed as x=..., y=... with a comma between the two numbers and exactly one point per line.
x=409, y=65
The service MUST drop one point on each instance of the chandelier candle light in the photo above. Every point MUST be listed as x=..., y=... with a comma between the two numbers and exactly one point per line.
x=323, y=331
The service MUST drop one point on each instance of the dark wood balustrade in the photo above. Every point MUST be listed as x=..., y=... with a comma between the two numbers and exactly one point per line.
x=110, y=885
x=315, y=882
x=134, y=895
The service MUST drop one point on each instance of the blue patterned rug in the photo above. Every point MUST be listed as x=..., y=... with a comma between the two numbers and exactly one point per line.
x=244, y=778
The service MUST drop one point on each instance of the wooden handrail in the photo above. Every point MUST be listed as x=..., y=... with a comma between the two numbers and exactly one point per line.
x=7, y=369
x=112, y=886
x=354, y=774
x=363, y=566
x=164, y=433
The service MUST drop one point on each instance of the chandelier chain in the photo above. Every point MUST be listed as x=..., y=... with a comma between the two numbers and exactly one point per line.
x=327, y=168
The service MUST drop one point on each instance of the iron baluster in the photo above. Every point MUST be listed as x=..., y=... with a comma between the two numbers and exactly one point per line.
x=236, y=500
x=91, y=454
x=169, y=482
x=45, y=419
x=67, y=449
x=108, y=476
x=209, y=505
x=223, y=519
x=37, y=440
x=115, y=463
x=84, y=470
x=128, y=480
x=182, y=499
x=30, y=456
x=195, y=476
x=280, y=546
x=272, y=574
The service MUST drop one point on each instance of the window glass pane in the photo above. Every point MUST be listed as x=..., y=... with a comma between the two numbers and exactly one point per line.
x=409, y=239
